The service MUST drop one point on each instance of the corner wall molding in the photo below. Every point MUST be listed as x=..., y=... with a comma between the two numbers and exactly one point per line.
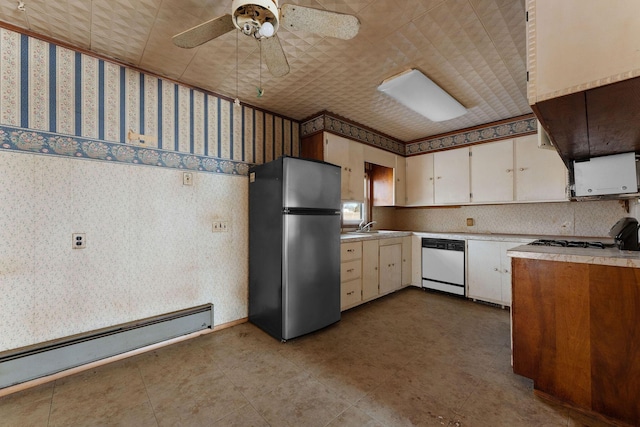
x=55, y=144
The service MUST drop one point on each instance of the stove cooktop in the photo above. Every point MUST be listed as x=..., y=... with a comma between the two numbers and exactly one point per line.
x=571, y=244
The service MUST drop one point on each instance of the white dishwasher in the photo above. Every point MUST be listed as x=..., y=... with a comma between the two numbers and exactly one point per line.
x=443, y=265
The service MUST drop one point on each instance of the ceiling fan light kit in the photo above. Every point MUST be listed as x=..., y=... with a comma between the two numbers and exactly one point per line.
x=418, y=92
x=262, y=19
x=258, y=18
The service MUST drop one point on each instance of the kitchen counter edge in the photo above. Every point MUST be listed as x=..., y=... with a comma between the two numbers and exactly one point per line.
x=609, y=256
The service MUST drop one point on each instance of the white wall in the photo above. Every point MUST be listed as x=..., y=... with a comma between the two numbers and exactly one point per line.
x=150, y=249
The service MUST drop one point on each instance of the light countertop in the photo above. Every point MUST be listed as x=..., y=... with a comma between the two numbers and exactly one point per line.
x=608, y=256
x=381, y=234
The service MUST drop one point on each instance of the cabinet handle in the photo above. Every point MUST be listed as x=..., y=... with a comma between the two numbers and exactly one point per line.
x=430, y=178
x=495, y=269
x=523, y=169
x=351, y=250
x=509, y=170
x=351, y=293
x=438, y=177
x=350, y=270
x=375, y=268
x=506, y=271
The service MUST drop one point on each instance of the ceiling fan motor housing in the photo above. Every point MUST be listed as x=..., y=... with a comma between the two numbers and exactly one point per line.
x=249, y=15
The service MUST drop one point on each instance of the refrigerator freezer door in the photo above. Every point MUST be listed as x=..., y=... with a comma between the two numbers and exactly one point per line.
x=311, y=288
x=309, y=184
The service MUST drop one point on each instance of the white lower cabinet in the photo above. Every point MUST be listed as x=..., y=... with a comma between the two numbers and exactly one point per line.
x=406, y=261
x=370, y=262
x=390, y=268
x=489, y=270
x=350, y=274
x=374, y=267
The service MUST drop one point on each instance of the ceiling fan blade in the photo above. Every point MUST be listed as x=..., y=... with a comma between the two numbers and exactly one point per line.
x=322, y=22
x=274, y=57
x=204, y=32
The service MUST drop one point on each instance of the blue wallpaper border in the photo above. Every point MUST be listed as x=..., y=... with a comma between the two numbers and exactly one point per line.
x=518, y=126
x=48, y=143
x=330, y=123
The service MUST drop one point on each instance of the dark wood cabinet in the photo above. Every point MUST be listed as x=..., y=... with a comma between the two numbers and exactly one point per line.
x=576, y=333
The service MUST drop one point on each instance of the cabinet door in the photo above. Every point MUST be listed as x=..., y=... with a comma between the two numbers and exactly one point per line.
x=505, y=265
x=451, y=170
x=369, y=269
x=355, y=189
x=540, y=173
x=337, y=152
x=390, y=268
x=406, y=261
x=492, y=172
x=484, y=270
x=563, y=35
x=419, y=180
x=399, y=176
x=349, y=155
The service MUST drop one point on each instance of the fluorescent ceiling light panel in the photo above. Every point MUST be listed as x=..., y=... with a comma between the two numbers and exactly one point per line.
x=416, y=91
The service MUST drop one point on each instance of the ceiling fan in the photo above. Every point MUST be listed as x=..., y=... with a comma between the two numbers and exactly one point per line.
x=261, y=19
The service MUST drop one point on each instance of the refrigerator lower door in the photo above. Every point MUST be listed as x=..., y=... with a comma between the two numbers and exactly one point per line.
x=311, y=279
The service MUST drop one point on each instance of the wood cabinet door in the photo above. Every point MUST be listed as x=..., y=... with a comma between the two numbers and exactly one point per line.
x=484, y=270
x=451, y=181
x=390, y=268
x=540, y=173
x=419, y=180
x=492, y=172
x=369, y=269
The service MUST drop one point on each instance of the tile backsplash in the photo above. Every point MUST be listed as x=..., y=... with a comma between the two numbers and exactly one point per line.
x=593, y=218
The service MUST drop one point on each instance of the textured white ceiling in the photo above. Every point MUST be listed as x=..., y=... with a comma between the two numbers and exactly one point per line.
x=474, y=49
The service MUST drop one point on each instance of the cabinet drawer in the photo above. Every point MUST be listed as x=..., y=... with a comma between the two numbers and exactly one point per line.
x=350, y=270
x=350, y=251
x=351, y=293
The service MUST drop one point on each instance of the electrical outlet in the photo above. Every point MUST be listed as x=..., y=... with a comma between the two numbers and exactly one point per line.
x=220, y=226
x=79, y=240
x=187, y=178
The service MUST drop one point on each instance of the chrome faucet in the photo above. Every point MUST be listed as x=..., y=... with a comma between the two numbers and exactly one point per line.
x=366, y=227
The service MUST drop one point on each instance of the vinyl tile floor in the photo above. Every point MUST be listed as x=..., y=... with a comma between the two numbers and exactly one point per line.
x=411, y=358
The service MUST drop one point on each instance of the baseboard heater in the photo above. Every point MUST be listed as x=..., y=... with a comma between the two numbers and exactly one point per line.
x=28, y=363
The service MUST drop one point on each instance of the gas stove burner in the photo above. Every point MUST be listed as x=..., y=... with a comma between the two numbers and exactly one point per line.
x=570, y=244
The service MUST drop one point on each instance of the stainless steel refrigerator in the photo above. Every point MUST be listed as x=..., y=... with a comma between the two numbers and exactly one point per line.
x=294, y=246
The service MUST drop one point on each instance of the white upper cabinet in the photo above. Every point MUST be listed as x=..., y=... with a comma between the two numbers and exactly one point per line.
x=399, y=181
x=574, y=45
x=451, y=176
x=419, y=180
x=349, y=155
x=540, y=173
x=492, y=172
